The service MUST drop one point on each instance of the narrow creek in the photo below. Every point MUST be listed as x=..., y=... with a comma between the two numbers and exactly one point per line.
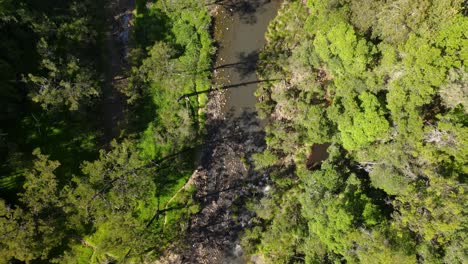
x=116, y=41
x=225, y=179
x=240, y=33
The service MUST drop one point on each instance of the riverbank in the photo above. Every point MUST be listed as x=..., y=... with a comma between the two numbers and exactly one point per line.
x=225, y=179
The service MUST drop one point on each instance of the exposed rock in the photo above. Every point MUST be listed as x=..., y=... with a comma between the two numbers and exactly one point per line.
x=224, y=182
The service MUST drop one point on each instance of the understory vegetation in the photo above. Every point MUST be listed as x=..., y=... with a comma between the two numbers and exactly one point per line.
x=67, y=195
x=384, y=85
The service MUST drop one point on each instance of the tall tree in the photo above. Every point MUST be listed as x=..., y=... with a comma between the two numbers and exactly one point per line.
x=36, y=226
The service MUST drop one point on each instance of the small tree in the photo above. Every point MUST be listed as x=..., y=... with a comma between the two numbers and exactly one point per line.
x=63, y=82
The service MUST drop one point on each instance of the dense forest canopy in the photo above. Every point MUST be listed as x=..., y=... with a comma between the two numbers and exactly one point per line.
x=384, y=83
x=364, y=103
x=68, y=193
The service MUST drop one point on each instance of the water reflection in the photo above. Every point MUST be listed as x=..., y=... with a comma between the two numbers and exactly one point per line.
x=248, y=10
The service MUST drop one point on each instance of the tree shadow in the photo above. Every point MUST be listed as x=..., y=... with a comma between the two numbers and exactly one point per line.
x=224, y=87
x=245, y=61
x=150, y=25
x=225, y=182
x=248, y=63
x=246, y=9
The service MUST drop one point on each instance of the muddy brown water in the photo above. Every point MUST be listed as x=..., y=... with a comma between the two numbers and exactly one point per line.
x=240, y=28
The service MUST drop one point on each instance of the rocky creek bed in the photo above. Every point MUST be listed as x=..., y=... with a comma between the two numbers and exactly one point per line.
x=225, y=179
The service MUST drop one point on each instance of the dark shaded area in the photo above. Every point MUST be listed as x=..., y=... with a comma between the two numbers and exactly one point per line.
x=249, y=63
x=225, y=181
x=248, y=10
x=66, y=136
x=378, y=196
x=115, y=48
x=318, y=154
x=246, y=65
x=224, y=87
x=150, y=25
x=465, y=8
